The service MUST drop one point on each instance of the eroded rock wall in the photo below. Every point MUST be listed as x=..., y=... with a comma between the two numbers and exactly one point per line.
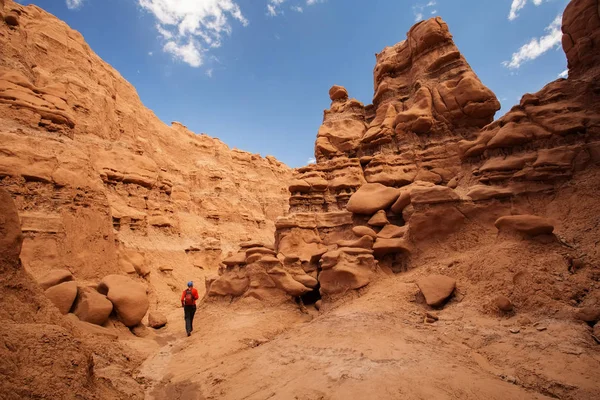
x=424, y=177
x=101, y=184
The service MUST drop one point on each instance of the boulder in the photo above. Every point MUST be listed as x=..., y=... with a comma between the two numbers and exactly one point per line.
x=338, y=93
x=526, y=224
x=228, y=285
x=379, y=219
x=390, y=246
x=503, y=303
x=365, y=242
x=361, y=231
x=62, y=296
x=588, y=314
x=372, y=197
x=156, y=320
x=348, y=273
x=55, y=277
x=436, y=289
x=92, y=306
x=128, y=297
x=392, y=231
x=260, y=250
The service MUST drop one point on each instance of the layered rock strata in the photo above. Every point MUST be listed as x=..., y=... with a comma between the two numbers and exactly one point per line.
x=426, y=159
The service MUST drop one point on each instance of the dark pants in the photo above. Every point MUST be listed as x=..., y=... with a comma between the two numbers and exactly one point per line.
x=189, y=312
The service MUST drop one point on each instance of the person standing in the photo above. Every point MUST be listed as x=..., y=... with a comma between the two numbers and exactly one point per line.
x=188, y=302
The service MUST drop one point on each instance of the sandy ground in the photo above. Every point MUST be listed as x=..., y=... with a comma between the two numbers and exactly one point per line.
x=374, y=346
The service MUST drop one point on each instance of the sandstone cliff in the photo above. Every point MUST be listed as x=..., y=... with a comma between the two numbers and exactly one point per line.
x=100, y=181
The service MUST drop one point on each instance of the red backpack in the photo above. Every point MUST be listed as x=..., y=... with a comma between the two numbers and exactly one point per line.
x=188, y=298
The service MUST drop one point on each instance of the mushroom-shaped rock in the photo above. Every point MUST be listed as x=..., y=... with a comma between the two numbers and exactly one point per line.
x=392, y=231
x=503, y=303
x=156, y=320
x=128, y=297
x=54, y=277
x=229, y=285
x=379, y=219
x=432, y=195
x=365, y=242
x=361, y=231
x=389, y=246
x=253, y=243
x=403, y=201
x=372, y=197
x=299, y=185
x=261, y=251
x=92, y=306
x=329, y=259
x=287, y=283
x=527, y=224
x=236, y=259
x=306, y=280
x=63, y=295
x=355, y=251
x=338, y=93
x=290, y=258
x=436, y=289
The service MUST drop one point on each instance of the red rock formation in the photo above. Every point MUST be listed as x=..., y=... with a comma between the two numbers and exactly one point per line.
x=90, y=166
x=425, y=163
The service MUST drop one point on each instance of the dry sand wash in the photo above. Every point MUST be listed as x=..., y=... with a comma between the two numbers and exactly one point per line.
x=430, y=253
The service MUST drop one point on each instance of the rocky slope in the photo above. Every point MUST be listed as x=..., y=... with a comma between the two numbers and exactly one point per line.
x=99, y=180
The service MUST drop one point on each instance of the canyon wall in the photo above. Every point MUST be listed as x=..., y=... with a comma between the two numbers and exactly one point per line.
x=101, y=184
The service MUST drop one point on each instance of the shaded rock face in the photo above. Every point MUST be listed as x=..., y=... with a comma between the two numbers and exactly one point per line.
x=33, y=330
x=97, y=176
x=425, y=167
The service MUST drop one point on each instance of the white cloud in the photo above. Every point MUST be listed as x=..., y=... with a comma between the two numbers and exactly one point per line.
x=311, y=160
x=517, y=5
x=209, y=72
x=273, y=8
x=419, y=10
x=564, y=74
x=537, y=46
x=189, y=53
x=150, y=53
x=297, y=9
x=191, y=27
x=73, y=4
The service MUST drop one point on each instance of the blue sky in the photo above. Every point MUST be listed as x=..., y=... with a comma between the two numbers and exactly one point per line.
x=255, y=73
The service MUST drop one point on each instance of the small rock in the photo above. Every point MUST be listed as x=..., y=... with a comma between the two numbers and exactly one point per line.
x=453, y=183
x=318, y=304
x=432, y=316
x=63, y=295
x=165, y=268
x=156, y=320
x=379, y=219
x=514, y=330
x=541, y=328
x=503, y=303
x=510, y=379
x=140, y=330
x=436, y=289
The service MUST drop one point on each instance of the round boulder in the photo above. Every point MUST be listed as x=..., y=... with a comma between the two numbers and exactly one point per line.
x=127, y=296
x=503, y=303
x=92, y=307
x=338, y=93
x=156, y=320
x=372, y=197
x=63, y=295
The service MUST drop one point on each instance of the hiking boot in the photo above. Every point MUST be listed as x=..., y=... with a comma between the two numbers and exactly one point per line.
x=189, y=334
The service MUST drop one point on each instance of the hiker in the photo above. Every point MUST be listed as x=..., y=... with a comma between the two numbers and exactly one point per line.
x=188, y=302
